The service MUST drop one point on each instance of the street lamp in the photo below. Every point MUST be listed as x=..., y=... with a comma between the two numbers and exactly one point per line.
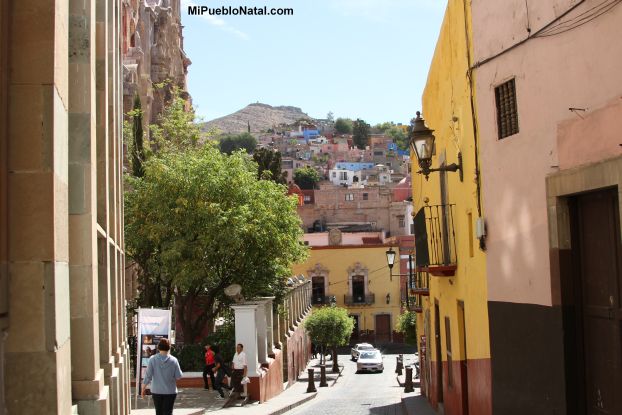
x=422, y=142
x=388, y=298
x=390, y=261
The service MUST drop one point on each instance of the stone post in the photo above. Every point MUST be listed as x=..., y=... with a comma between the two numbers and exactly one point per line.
x=408, y=384
x=262, y=329
x=246, y=333
x=311, y=387
x=323, y=382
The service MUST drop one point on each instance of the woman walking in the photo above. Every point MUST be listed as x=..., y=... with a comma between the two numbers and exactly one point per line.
x=162, y=372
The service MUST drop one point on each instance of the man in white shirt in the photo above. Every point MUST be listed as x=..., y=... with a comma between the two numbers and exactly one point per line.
x=239, y=369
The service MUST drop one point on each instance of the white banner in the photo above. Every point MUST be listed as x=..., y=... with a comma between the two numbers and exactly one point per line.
x=153, y=324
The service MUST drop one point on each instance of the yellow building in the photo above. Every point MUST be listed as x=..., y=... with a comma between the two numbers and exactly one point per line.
x=449, y=229
x=353, y=269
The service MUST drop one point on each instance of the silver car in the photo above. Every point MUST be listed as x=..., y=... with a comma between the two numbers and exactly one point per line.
x=369, y=361
x=358, y=348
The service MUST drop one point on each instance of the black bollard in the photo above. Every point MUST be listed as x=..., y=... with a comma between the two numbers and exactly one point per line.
x=399, y=365
x=408, y=384
x=311, y=387
x=323, y=382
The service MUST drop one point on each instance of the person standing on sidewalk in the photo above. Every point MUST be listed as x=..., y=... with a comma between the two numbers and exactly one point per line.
x=220, y=371
x=162, y=372
x=209, y=367
x=239, y=369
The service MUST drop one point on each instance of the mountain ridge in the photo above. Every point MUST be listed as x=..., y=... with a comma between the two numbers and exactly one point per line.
x=260, y=116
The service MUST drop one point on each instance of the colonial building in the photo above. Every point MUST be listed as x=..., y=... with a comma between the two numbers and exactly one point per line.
x=352, y=268
x=548, y=104
x=62, y=311
x=451, y=282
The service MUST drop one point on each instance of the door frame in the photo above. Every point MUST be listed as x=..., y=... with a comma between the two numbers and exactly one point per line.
x=560, y=187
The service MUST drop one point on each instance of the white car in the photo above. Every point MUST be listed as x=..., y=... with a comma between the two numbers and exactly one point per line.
x=358, y=348
x=369, y=361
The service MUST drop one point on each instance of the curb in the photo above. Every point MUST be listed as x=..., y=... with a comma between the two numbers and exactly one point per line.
x=293, y=405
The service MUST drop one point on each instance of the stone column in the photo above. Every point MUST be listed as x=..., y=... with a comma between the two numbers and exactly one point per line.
x=39, y=335
x=87, y=377
x=246, y=333
x=262, y=328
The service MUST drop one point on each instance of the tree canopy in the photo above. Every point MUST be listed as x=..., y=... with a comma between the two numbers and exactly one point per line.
x=214, y=224
x=360, y=133
x=343, y=126
x=330, y=326
x=407, y=324
x=306, y=177
x=233, y=142
x=269, y=165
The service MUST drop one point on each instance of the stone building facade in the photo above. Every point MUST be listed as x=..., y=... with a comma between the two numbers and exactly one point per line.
x=62, y=311
x=152, y=45
x=358, y=208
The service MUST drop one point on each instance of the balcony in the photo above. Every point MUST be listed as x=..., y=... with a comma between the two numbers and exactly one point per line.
x=435, y=240
x=359, y=299
x=321, y=299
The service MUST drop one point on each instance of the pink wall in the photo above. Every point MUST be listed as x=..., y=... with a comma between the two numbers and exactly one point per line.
x=580, y=68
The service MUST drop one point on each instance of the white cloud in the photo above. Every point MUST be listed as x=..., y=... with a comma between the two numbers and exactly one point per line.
x=216, y=21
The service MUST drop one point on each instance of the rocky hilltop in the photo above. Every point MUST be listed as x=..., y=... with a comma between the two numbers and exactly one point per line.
x=260, y=116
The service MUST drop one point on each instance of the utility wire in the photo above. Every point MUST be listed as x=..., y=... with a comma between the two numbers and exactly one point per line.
x=570, y=25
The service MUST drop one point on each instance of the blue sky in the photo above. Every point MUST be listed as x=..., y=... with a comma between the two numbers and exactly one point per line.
x=357, y=58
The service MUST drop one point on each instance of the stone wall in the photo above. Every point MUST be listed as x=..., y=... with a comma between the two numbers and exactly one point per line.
x=61, y=203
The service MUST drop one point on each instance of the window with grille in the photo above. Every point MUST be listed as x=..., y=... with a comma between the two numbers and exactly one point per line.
x=349, y=197
x=343, y=175
x=507, y=112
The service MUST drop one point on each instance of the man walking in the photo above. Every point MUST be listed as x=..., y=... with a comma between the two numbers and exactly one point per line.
x=239, y=369
x=209, y=366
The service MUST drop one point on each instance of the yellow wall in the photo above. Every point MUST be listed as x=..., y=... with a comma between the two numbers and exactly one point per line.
x=337, y=260
x=447, y=110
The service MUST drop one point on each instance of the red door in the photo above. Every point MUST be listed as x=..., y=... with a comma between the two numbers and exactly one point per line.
x=383, y=328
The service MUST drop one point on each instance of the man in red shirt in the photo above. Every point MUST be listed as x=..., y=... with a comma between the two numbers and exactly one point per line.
x=209, y=366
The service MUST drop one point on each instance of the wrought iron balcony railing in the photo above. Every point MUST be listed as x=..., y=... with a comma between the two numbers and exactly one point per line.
x=435, y=240
x=359, y=299
x=321, y=299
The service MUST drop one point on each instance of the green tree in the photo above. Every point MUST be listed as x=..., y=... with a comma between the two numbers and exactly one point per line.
x=407, y=325
x=381, y=128
x=306, y=177
x=330, y=117
x=212, y=224
x=343, y=126
x=176, y=128
x=137, y=147
x=360, y=133
x=269, y=165
x=330, y=327
x=399, y=137
x=233, y=142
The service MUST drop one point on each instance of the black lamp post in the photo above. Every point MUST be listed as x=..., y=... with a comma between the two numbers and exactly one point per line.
x=422, y=142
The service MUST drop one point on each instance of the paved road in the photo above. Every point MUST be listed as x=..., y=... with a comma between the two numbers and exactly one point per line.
x=358, y=394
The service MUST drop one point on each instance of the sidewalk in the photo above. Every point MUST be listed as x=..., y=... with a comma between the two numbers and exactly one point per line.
x=195, y=401
x=414, y=403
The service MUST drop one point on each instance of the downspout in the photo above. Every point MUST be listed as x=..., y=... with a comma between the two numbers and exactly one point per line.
x=469, y=74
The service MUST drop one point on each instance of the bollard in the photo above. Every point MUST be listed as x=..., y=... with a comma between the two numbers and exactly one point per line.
x=311, y=387
x=408, y=383
x=399, y=365
x=323, y=382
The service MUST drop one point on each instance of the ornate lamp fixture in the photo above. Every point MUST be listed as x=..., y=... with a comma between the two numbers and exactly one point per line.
x=422, y=142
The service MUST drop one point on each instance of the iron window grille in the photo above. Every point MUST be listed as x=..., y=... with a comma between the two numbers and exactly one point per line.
x=507, y=111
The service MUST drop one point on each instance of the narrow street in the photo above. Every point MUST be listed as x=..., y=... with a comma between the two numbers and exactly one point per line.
x=358, y=394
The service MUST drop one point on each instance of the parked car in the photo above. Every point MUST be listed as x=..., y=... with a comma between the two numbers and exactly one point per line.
x=369, y=361
x=357, y=349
